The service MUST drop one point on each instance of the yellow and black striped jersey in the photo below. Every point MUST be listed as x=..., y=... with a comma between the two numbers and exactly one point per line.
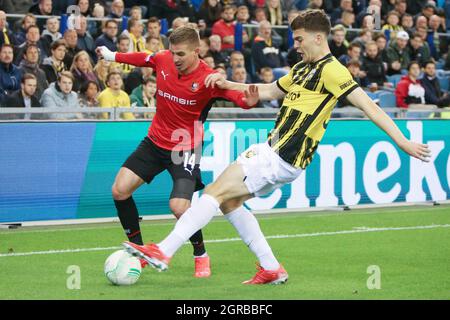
x=312, y=90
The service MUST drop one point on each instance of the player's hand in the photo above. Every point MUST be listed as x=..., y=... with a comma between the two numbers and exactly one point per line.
x=251, y=95
x=417, y=150
x=105, y=53
x=216, y=79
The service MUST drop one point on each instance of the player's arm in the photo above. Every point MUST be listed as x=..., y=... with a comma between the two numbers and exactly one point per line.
x=138, y=59
x=268, y=91
x=362, y=101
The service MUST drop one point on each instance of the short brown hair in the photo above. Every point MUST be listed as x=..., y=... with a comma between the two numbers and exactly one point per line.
x=185, y=35
x=28, y=76
x=66, y=74
x=57, y=43
x=312, y=20
x=113, y=73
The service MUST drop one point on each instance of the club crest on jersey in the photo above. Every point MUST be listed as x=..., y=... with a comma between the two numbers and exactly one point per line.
x=250, y=154
x=195, y=86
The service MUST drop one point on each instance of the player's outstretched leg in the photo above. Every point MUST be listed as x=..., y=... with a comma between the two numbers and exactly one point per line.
x=201, y=259
x=270, y=271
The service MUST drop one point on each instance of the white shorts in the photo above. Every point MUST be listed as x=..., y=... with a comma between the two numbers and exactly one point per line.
x=265, y=171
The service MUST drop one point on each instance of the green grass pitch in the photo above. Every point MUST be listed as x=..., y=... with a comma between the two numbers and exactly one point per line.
x=326, y=254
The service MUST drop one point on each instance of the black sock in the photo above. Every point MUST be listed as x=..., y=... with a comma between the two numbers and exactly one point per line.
x=197, y=243
x=129, y=218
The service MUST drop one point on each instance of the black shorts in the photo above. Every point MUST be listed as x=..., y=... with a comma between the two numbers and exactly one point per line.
x=149, y=160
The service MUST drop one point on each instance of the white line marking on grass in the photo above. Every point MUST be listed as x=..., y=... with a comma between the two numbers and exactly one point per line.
x=280, y=236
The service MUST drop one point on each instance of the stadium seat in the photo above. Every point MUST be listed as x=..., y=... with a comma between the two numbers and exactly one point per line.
x=444, y=82
x=387, y=100
x=394, y=79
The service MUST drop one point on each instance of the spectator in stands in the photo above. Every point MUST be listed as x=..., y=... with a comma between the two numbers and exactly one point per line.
x=364, y=36
x=236, y=60
x=123, y=46
x=88, y=98
x=418, y=50
x=433, y=92
x=30, y=65
x=85, y=42
x=266, y=76
x=82, y=70
x=354, y=66
x=136, y=77
x=135, y=13
x=54, y=64
x=209, y=59
x=393, y=24
x=400, y=7
x=368, y=22
x=243, y=15
x=345, y=5
x=337, y=42
x=114, y=96
x=7, y=5
x=186, y=9
x=266, y=52
x=101, y=70
x=210, y=12
x=421, y=22
x=117, y=9
x=215, y=49
x=93, y=27
x=154, y=29
x=151, y=44
x=134, y=33
x=239, y=74
x=108, y=38
x=353, y=52
x=410, y=93
x=23, y=98
x=178, y=23
x=32, y=37
x=407, y=23
x=42, y=8
x=60, y=95
x=10, y=75
x=50, y=34
x=20, y=35
x=97, y=12
x=397, y=54
x=438, y=45
x=204, y=47
x=374, y=67
x=71, y=38
x=259, y=15
x=225, y=28
x=347, y=19
x=276, y=15
x=381, y=41
x=145, y=94
x=428, y=10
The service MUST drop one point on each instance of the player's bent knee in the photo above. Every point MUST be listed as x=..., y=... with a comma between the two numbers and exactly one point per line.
x=178, y=207
x=120, y=193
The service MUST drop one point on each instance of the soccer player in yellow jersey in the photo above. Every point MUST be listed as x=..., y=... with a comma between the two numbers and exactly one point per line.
x=310, y=92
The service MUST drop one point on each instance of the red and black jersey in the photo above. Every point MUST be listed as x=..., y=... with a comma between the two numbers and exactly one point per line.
x=182, y=101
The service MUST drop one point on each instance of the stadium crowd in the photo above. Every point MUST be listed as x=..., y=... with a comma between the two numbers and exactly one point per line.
x=405, y=64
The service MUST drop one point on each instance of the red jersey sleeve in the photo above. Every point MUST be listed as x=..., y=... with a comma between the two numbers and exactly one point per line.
x=138, y=59
x=237, y=97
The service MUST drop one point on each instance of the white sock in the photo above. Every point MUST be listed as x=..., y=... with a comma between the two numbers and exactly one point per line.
x=248, y=228
x=195, y=218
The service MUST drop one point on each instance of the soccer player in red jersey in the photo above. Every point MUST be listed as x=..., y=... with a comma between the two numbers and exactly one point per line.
x=175, y=136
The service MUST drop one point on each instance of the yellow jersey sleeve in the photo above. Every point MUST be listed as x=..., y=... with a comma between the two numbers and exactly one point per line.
x=338, y=80
x=285, y=81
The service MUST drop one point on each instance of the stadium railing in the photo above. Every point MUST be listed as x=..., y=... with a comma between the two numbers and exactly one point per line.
x=216, y=113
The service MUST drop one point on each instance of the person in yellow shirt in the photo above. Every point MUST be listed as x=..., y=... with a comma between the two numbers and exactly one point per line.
x=114, y=96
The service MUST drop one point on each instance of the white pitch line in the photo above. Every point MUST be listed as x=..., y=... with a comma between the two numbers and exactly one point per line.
x=280, y=236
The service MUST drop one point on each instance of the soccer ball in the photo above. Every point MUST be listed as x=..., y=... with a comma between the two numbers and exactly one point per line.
x=122, y=269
